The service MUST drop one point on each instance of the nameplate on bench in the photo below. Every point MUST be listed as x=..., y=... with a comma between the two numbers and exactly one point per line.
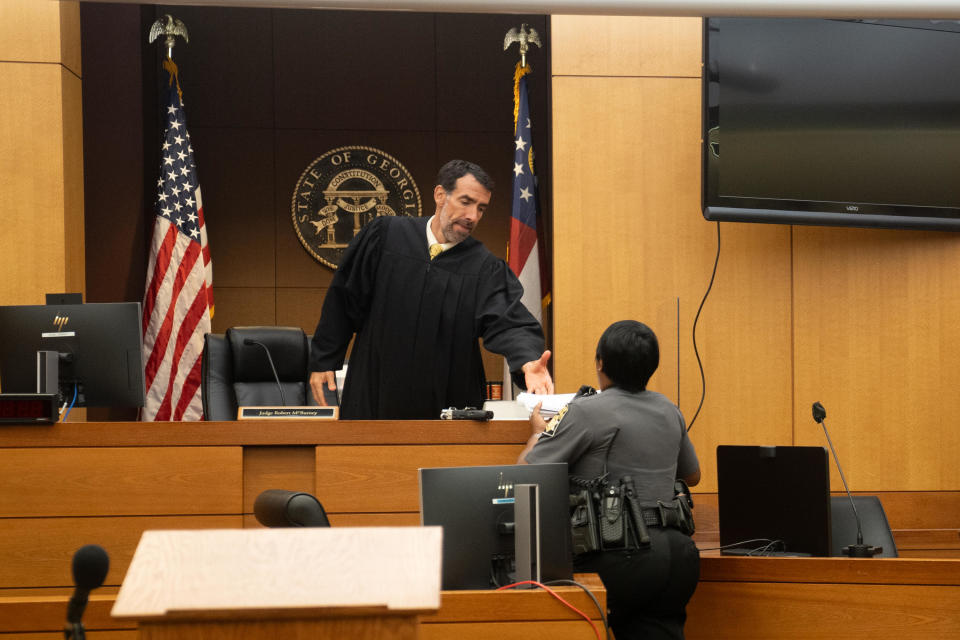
x=288, y=413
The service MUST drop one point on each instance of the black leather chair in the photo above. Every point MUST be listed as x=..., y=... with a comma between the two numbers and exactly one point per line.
x=876, y=529
x=236, y=371
x=281, y=508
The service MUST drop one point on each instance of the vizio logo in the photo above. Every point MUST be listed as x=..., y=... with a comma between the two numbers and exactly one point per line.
x=852, y=208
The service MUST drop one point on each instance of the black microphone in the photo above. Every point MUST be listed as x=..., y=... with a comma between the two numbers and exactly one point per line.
x=90, y=566
x=248, y=342
x=858, y=550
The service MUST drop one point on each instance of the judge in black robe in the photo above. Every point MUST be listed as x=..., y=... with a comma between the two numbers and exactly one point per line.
x=417, y=321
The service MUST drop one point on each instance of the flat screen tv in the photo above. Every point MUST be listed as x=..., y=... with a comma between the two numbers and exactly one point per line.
x=832, y=122
x=99, y=347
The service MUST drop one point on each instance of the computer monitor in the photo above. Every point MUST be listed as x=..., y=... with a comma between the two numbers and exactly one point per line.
x=475, y=507
x=775, y=494
x=100, y=349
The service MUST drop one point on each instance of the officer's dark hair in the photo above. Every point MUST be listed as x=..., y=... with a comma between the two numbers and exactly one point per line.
x=630, y=354
x=456, y=169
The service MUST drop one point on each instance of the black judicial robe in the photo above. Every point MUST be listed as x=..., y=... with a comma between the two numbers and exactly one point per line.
x=417, y=322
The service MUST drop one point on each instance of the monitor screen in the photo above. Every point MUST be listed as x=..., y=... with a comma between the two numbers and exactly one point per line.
x=833, y=122
x=475, y=507
x=99, y=346
x=775, y=494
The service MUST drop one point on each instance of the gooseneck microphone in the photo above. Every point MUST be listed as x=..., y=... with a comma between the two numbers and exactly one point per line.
x=248, y=342
x=858, y=550
x=90, y=566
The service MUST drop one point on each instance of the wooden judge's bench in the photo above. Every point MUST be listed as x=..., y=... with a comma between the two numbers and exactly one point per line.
x=72, y=484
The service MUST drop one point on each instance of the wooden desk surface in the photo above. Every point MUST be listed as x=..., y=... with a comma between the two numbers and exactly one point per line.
x=901, y=571
x=462, y=613
x=265, y=433
x=742, y=598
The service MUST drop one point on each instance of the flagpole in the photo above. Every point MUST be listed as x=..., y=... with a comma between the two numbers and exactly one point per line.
x=178, y=297
x=523, y=249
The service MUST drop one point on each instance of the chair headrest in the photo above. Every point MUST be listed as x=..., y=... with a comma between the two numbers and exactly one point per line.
x=280, y=508
x=288, y=347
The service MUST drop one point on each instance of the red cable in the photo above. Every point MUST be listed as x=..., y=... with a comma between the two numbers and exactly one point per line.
x=558, y=597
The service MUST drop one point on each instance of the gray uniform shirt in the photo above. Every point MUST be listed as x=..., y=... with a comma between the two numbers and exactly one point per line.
x=651, y=441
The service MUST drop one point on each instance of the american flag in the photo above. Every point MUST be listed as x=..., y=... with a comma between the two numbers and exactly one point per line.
x=523, y=254
x=178, y=302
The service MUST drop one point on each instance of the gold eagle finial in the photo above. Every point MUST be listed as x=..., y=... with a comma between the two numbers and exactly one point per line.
x=525, y=36
x=171, y=28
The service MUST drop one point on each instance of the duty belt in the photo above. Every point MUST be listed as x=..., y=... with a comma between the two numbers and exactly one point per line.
x=652, y=517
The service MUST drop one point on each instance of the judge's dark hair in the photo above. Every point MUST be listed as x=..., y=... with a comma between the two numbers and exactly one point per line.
x=456, y=169
x=630, y=354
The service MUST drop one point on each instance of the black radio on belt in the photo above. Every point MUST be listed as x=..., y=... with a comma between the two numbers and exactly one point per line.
x=467, y=413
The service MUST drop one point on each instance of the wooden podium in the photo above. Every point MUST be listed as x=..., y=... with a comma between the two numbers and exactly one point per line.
x=364, y=582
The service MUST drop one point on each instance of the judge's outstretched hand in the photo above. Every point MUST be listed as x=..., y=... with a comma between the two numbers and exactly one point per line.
x=317, y=380
x=536, y=376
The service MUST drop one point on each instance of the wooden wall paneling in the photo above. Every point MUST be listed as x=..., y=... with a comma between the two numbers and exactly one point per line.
x=919, y=509
x=402, y=519
x=538, y=630
x=74, y=277
x=116, y=210
x=877, y=343
x=630, y=238
x=617, y=205
x=744, y=339
x=32, y=258
x=243, y=306
x=236, y=178
x=721, y=610
x=226, y=74
x=41, y=174
x=32, y=614
x=30, y=31
x=459, y=610
x=120, y=481
x=300, y=307
x=460, y=77
x=355, y=70
x=38, y=552
x=373, y=479
x=648, y=193
x=399, y=519
x=70, y=56
x=108, y=634
x=288, y=468
x=625, y=46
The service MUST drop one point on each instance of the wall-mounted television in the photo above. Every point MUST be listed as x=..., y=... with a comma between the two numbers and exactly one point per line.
x=832, y=122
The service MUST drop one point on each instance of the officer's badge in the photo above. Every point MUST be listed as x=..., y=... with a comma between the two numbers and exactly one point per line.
x=344, y=189
x=555, y=420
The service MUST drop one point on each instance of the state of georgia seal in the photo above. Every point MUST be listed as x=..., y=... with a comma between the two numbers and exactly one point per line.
x=344, y=189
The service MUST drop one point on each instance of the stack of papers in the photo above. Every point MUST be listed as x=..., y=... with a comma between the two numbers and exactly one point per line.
x=551, y=403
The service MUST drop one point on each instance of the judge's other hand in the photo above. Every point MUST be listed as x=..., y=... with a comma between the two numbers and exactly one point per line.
x=536, y=376
x=537, y=423
x=317, y=380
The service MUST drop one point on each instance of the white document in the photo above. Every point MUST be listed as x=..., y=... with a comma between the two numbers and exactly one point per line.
x=551, y=403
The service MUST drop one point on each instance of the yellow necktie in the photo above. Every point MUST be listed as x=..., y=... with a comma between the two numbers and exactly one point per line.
x=435, y=250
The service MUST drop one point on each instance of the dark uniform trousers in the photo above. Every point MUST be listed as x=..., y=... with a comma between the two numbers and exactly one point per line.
x=648, y=589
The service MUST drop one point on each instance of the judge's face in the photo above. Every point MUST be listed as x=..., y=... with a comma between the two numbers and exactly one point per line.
x=459, y=211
